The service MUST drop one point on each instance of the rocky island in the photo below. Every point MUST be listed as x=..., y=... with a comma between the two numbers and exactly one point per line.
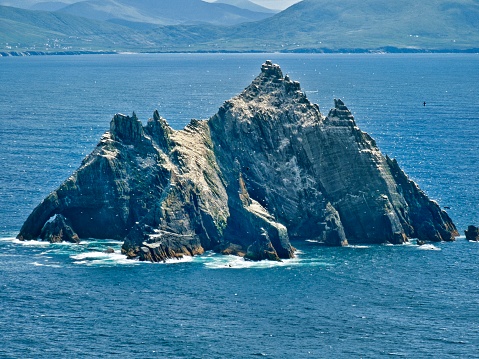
x=266, y=170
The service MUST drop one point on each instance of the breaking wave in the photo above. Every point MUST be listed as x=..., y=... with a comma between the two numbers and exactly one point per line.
x=107, y=253
x=428, y=247
x=214, y=260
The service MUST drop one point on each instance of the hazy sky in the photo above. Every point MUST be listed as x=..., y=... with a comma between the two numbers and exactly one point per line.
x=275, y=4
x=272, y=4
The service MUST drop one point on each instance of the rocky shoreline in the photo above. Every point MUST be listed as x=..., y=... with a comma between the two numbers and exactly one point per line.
x=268, y=168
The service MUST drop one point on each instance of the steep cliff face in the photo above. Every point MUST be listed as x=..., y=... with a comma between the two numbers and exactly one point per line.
x=320, y=176
x=267, y=168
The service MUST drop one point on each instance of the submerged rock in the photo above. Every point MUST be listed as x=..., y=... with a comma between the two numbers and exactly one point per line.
x=266, y=169
x=472, y=233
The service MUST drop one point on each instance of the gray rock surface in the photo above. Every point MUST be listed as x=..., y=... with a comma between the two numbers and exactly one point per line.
x=57, y=230
x=266, y=169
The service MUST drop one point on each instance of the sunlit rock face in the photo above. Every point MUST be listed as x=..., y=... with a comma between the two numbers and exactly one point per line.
x=268, y=168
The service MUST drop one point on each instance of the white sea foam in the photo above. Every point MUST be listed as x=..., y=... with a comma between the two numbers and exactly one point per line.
x=101, y=242
x=348, y=246
x=91, y=255
x=219, y=261
x=95, y=258
x=235, y=262
x=88, y=252
x=33, y=243
x=429, y=247
x=51, y=265
x=109, y=262
x=7, y=239
x=64, y=244
x=185, y=259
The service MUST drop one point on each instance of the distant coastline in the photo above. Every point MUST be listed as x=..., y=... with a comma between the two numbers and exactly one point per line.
x=49, y=53
x=386, y=50
x=318, y=26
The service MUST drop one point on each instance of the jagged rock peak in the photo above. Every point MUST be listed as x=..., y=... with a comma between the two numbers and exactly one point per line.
x=271, y=92
x=271, y=73
x=156, y=116
x=160, y=131
x=341, y=111
x=272, y=70
x=129, y=129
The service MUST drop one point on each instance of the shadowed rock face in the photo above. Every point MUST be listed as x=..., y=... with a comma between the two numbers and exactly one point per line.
x=267, y=168
x=58, y=230
x=472, y=233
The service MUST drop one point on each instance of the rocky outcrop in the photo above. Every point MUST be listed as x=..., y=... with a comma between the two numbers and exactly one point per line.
x=472, y=233
x=57, y=230
x=268, y=168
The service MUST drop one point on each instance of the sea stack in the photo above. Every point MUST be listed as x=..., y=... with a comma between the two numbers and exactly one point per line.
x=472, y=233
x=266, y=170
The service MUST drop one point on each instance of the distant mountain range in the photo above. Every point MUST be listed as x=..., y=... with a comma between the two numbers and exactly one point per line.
x=369, y=24
x=194, y=25
x=134, y=13
x=47, y=6
x=149, y=13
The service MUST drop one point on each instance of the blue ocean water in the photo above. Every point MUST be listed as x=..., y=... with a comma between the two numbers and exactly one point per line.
x=64, y=300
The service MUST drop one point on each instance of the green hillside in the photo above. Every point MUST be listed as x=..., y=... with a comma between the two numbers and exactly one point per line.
x=48, y=31
x=163, y=12
x=319, y=25
x=311, y=25
x=435, y=24
x=349, y=25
